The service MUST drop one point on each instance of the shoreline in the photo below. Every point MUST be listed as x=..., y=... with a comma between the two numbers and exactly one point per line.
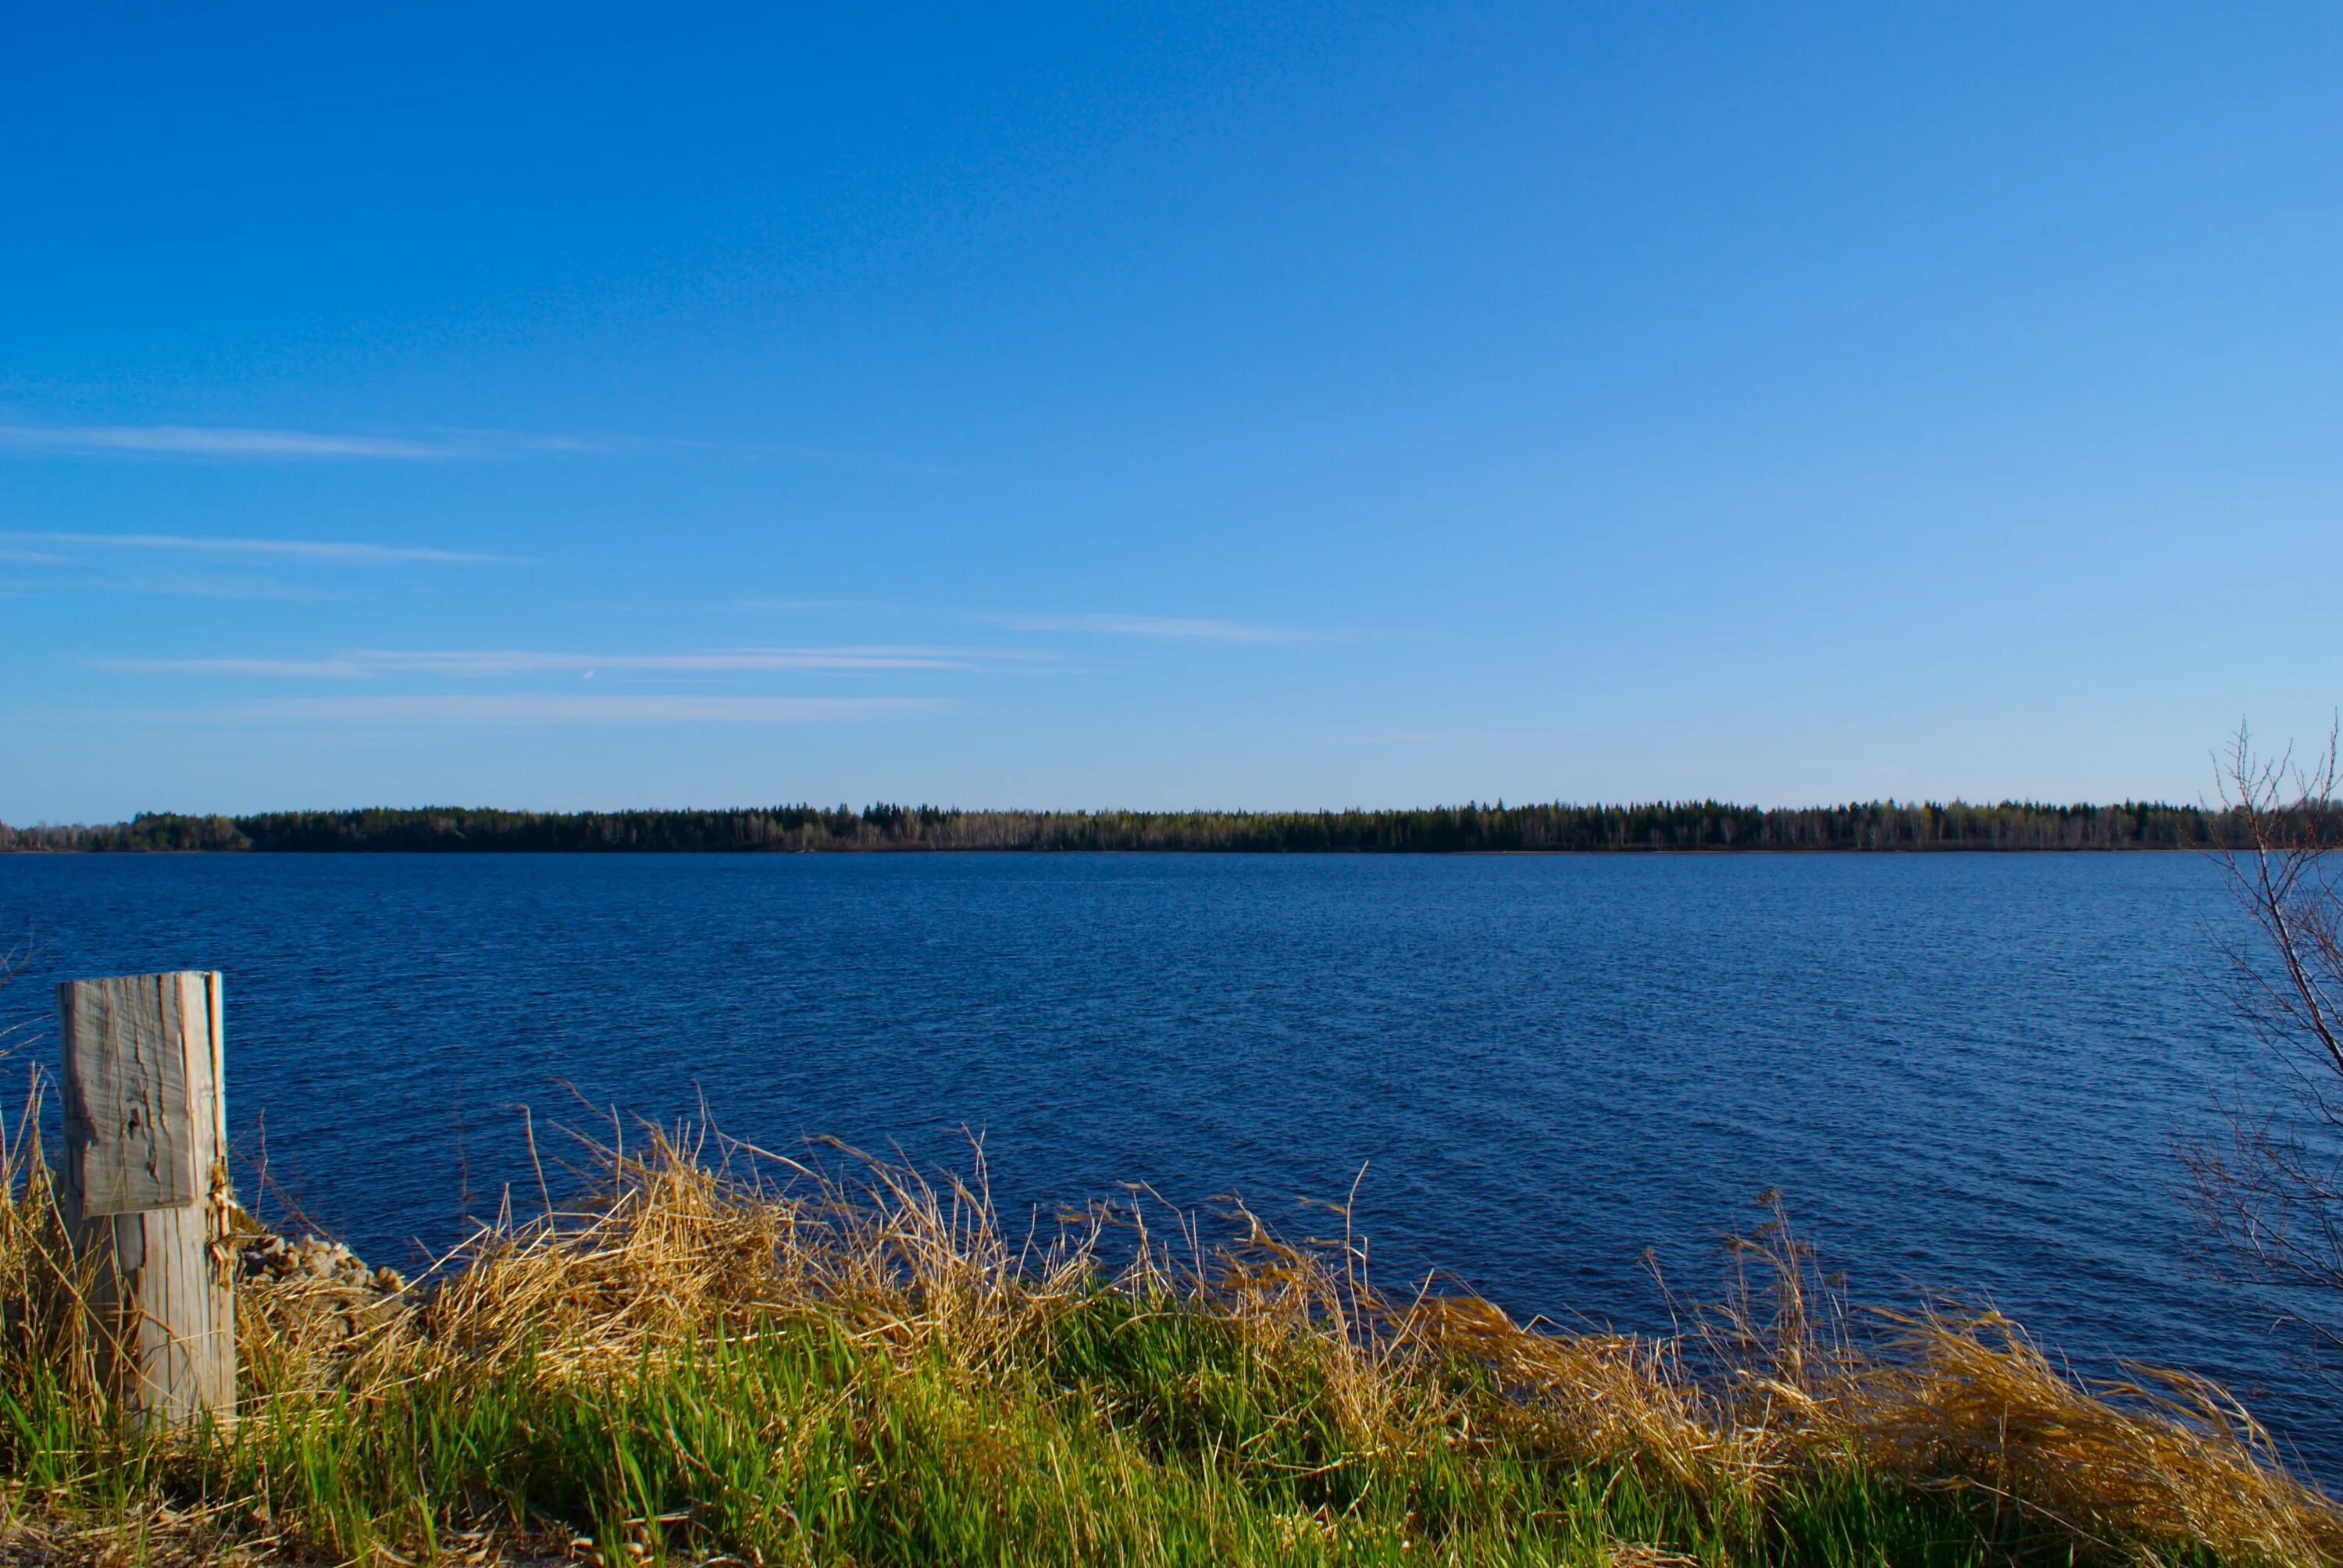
x=1548, y=827
x=1628, y=850
x=691, y=1363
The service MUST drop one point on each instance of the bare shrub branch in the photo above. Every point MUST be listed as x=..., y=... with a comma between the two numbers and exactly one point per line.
x=2270, y=1189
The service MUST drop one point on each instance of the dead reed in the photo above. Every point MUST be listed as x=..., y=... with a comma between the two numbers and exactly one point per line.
x=718, y=1353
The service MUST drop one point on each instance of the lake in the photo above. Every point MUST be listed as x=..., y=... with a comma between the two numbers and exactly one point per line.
x=1960, y=1071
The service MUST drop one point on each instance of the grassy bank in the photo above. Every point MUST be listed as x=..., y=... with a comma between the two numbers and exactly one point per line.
x=701, y=1363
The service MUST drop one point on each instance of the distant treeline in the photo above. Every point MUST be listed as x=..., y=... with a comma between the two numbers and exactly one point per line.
x=1684, y=825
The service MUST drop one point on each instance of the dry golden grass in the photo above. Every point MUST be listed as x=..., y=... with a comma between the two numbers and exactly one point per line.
x=1767, y=1389
x=1974, y=1401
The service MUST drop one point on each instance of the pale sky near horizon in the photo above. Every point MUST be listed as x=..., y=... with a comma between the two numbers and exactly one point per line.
x=1100, y=405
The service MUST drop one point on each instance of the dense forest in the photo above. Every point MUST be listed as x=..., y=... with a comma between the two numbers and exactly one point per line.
x=1684, y=825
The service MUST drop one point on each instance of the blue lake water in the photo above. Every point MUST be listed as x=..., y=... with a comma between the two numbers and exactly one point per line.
x=1960, y=1071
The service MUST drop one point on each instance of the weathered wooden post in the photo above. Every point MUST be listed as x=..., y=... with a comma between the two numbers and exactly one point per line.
x=145, y=1186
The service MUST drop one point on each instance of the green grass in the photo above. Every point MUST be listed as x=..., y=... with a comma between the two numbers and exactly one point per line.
x=1124, y=1434
x=696, y=1367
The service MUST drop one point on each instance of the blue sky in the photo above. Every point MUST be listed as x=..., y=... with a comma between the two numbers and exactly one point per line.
x=1112, y=406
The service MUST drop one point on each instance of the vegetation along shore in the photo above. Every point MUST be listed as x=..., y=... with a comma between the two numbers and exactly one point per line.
x=714, y=1356
x=1702, y=825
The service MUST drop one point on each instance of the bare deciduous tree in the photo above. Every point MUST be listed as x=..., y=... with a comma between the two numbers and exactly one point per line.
x=2271, y=1188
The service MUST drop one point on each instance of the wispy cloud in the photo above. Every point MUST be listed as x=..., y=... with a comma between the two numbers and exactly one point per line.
x=493, y=661
x=828, y=604
x=296, y=669
x=490, y=662
x=1430, y=737
x=242, y=442
x=522, y=708
x=336, y=551
x=1174, y=627
x=214, y=441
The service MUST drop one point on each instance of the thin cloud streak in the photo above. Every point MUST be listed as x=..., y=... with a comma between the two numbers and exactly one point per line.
x=1433, y=736
x=840, y=605
x=1176, y=627
x=495, y=661
x=367, y=663
x=337, y=552
x=300, y=668
x=240, y=442
x=538, y=709
x=204, y=585
x=216, y=441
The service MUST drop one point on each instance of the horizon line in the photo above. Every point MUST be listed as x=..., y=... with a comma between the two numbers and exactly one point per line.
x=877, y=809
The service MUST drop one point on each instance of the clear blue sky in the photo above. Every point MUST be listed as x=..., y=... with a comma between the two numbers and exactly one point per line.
x=1103, y=405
